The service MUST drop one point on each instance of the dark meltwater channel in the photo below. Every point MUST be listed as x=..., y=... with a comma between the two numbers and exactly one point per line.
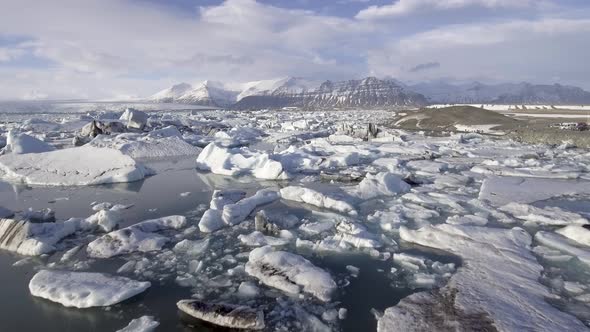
x=374, y=288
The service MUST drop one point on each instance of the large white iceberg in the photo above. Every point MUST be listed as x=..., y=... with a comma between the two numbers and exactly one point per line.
x=147, y=147
x=290, y=273
x=78, y=166
x=84, y=289
x=23, y=143
x=238, y=161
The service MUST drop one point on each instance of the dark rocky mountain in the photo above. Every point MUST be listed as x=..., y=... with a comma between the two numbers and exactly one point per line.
x=366, y=93
x=440, y=92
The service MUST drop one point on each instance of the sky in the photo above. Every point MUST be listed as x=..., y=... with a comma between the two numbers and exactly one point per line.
x=120, y=49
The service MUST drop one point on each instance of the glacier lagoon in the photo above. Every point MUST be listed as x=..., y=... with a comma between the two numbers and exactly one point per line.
x=406, y=230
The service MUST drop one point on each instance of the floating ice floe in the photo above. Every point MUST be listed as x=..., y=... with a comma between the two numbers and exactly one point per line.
x=191, y=247
x=141, y=324
x=382, y=184
x=504, y=190
x=290, y=273
x=36, y=238
x=79, y=166
x=23, y=143
x=84, y=289
x=512, y=299
x=222, y=314
x=257, y=239
x=313, y=197
x=223, y=213
x=546, y=216
x=348, y=235
x=239, y=161
x=139, y=237
x=147, y=147
x=33, y=239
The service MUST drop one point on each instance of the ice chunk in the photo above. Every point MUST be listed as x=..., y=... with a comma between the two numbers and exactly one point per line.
x=289, y=273
x=134, y=118
x=192, y=248
x=316, y=198
x=579, y=234
x=563, y=244
x=382, y=184
x=33, y=239
x=467, y=220
x=79, y=166
x=248, y=290
x=233, y=213
x=256, y=239
x=222, y=314
x=233, y=161
x=141, y=324
x=84, y=289
x=545, y=216
x=211, y=221
x=138, y=237
x=107, y=220
x=23, y=143
x=221, y=198
x=237, y=212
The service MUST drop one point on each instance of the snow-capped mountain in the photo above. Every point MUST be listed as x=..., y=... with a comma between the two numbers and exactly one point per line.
x=369, y=92
x=285, y=85
x=207, y=93
x=171, y=94
x=508, y=93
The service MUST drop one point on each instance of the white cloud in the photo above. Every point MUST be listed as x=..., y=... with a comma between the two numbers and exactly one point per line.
x=107, y=48
x=236, y=40
x=535, y=50
x=406, y=7
x=9, y=54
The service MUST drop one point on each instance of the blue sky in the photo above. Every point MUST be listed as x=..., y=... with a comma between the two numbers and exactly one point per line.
x=129, y=48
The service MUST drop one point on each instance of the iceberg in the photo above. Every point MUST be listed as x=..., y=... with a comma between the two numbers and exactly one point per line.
x=290, y=273
x=80, y=166
x=84, y=289
x=222, y=314
x=139, y=237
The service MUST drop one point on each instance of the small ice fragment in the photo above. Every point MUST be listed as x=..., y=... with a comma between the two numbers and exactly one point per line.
x=142, y=324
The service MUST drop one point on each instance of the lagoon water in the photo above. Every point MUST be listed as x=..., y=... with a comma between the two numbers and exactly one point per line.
x=157, y=196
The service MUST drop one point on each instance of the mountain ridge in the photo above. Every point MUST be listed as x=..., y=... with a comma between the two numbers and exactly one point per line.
x=369, y=92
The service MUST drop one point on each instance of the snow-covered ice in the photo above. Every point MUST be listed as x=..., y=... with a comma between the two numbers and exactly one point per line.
x=71, y=167
x=512, y=296
x=84, y=289
x=290, y=273
x=138, y=237
x=141, y=324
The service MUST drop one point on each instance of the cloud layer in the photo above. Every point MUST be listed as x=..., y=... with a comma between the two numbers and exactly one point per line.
x=125, y=48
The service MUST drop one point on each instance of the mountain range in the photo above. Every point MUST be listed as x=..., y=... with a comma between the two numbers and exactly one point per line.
x=369, y=92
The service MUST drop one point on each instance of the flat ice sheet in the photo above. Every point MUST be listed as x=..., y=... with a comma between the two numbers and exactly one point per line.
x=84, y=289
